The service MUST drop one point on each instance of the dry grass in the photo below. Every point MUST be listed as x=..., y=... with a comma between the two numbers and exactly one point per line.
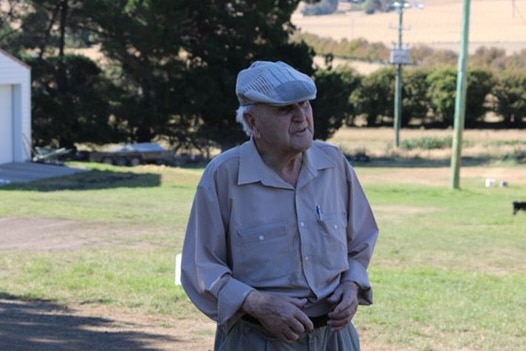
x=378, y=142
x=483, y=153
x=493, y=23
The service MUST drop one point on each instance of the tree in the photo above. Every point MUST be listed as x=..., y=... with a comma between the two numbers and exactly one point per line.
x=479, y=85
x=486, y=57
x=174, y=61
x=11, y=13
x=441, y=94
x=324, y=7
x=415, y=104
x=434, y=59
x=514, y=63
x=178, y=60
x=332, y=105
x=510, y=92
x=69, y=92
x=143, y=41
x=225, y=37
x=371, y=6
x=76, y=114
x=375, y=97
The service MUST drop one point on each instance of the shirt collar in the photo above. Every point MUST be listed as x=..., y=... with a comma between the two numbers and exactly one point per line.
x=252, y=169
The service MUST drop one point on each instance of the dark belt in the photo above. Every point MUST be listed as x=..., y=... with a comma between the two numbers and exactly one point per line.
x=317, y=322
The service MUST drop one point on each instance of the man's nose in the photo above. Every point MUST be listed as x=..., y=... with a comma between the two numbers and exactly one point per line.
x=299, y=113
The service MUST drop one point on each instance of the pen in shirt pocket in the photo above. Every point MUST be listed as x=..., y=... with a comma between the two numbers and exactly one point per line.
x=319, y=213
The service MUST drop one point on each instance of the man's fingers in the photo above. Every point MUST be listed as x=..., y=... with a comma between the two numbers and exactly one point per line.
x=300, y=303
x=289, y=335
x=337, y=325
x=335, y=297
x=339, y=320
x=301, y=324
x=343, y=306
x=344, y=311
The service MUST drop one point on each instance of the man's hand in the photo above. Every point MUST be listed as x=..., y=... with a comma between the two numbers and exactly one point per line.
x=281, y=316
x=345, y=302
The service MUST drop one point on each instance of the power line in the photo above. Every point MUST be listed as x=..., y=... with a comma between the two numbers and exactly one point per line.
x=517, y=11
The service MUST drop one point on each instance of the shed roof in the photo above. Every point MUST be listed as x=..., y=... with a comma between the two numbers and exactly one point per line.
x=15, y=59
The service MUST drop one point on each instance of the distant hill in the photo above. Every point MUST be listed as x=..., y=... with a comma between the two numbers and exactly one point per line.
x=493, y=23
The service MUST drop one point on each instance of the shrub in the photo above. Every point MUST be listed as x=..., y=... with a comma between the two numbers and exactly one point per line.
x=427, y=143
x=325, y=7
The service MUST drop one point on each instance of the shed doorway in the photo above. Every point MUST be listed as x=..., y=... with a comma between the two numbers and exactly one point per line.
x=7, y=124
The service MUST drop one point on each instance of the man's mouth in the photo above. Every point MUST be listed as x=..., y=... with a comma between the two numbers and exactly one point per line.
x=300, y=131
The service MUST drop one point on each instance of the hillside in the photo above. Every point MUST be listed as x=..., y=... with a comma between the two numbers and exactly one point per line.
x=493, y=23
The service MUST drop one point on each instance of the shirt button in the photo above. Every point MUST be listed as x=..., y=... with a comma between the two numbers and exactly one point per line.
x=306, y=258
x=302, y=224
x=261, y=238
x=336, y=226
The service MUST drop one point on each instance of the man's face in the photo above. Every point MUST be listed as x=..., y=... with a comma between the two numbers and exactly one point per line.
x=282, y=130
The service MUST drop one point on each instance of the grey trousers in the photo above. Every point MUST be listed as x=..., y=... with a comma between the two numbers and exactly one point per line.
x=246, y=336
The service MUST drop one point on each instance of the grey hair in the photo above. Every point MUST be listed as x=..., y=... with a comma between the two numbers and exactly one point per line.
x=240, y=117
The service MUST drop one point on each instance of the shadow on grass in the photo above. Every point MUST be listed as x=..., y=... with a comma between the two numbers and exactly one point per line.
x=45, y=326
x=91, y=180
x=416, y=162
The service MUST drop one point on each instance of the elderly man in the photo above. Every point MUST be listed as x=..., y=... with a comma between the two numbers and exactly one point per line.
x=280, y=233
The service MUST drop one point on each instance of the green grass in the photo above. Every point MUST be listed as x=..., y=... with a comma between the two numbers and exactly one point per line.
x=449, y=270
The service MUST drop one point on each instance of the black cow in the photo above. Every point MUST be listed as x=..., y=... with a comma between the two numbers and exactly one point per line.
x=519, y=206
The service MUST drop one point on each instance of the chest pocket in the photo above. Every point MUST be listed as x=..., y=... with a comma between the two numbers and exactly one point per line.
x=265, y=255
x=332, y=244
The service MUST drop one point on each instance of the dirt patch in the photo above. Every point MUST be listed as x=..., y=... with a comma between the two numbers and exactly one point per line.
x=48, y=234
x=47, y=326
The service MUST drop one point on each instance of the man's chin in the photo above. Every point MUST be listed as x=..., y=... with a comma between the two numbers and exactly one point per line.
x=302, y=145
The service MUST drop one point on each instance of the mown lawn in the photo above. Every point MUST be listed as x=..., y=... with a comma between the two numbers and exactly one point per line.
x=449, y=271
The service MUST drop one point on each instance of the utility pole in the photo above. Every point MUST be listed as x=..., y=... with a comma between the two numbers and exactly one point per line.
x=399, y=57
x=398, y=81
x=460, y=101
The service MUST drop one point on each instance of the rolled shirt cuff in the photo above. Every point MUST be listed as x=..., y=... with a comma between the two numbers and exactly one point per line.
x=230, y=299
x=358, y=274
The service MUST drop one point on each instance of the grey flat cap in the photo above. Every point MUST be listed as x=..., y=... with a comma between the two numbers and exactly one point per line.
x=273, y=83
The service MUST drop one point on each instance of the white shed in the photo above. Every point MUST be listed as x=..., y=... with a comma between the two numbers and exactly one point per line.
x=15, y=109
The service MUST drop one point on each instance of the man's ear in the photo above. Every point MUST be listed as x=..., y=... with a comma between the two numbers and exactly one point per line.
x=251, y=122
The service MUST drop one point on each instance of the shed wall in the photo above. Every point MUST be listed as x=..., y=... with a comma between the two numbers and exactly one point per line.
x=15, y=110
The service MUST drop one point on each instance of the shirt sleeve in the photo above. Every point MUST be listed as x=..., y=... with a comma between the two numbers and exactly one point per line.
x=206, y=276
x=362, y=235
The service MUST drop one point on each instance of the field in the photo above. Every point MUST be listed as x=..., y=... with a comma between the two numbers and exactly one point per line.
x=88, y=260
x=493, y=23
x=478, y=146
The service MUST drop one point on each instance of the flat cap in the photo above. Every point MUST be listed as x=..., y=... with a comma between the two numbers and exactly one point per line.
x=273, y=83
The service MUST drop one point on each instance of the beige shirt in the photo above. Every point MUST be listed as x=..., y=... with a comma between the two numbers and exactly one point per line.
x=249, y=229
